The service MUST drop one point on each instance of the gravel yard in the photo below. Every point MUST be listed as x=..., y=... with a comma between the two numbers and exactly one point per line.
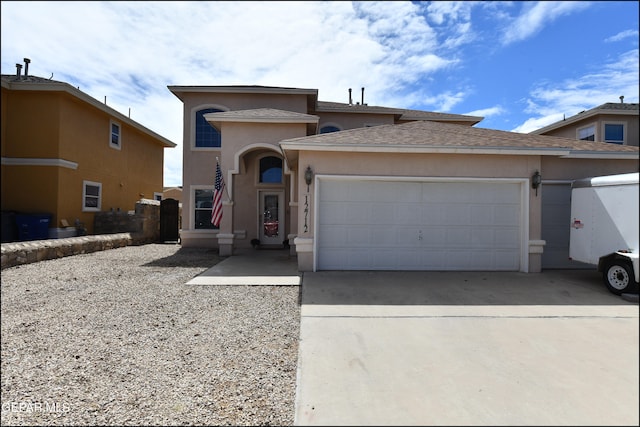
x=117, y=338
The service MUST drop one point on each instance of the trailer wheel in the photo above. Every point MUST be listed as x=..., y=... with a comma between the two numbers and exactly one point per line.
x=618, y=276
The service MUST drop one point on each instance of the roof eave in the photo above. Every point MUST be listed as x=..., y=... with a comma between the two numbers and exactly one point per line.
x=581, y=116
x=65, y=87
x=374, y=148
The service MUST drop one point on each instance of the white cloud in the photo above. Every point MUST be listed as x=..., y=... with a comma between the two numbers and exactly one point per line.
x=538, y=14
x=550, y=102
x=487, y=112
x=622, y=35
x=536, y=123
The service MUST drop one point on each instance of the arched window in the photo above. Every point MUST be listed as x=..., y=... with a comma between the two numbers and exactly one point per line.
x=271, y=170
x=328, y=129
x=206, y=135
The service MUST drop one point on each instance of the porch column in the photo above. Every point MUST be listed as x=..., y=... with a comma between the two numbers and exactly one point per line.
x=225, y=234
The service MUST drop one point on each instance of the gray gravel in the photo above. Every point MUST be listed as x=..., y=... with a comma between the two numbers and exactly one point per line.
x=117, y=338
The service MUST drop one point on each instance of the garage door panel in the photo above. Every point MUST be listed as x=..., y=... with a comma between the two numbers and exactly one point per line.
x=419, y=225
x=507, y=215
x=507, y=238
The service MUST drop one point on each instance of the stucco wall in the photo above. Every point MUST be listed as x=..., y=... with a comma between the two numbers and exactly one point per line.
x=71, y=130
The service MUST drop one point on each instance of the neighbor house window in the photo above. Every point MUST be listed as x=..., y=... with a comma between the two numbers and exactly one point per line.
x=114, y=138
x=587, y=133
x=203, y=205
x=206, y=135
x=329, y=129
x=91, y=196
x=157, y=196
x=614, y=133
x=271, y=170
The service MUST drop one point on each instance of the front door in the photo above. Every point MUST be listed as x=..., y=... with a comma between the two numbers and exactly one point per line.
x=271, y=217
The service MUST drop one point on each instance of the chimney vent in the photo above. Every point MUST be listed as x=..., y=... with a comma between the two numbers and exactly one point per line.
x=621, y=99
x=18, y=70
x=350, y=101
x=26, y=66
x=362, y=100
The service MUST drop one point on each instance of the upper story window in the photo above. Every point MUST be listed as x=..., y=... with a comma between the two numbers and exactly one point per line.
x=114, y=136
x=329, y=129
x=271, y=170
x=614, y=133
x=587, y=133
x=91, y=196
x=206, y=135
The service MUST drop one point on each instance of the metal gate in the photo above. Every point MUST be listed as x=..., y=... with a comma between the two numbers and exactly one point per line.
x=169, y=220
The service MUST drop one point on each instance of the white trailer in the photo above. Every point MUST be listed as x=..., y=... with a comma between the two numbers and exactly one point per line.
x=604, y=228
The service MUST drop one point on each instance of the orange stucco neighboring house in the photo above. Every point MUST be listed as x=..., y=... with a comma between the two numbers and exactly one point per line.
x=66, y=154
x=348, y=186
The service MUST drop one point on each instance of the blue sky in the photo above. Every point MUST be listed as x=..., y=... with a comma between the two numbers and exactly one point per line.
x=521, y=65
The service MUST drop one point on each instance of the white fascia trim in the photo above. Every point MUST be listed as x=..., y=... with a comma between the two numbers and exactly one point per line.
x=61, y=163
x=599, y=155
x=428, y=150
x=265, y=119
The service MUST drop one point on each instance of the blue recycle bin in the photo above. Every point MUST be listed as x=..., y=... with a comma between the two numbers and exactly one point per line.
x=33, y=226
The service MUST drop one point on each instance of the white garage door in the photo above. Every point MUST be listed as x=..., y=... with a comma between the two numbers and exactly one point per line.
x=400, y=225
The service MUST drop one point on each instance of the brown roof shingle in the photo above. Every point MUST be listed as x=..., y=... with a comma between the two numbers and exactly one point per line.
x=430, y=134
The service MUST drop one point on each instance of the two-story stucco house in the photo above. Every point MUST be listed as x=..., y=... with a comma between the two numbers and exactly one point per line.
x=69, y=155
x=612, y=122
x=352, y=186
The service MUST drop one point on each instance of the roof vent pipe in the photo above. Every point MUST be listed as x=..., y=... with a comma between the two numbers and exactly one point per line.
x=350, y=101
x=362, y=97
x=26, y=66
x=18, y=69
x=621, y=99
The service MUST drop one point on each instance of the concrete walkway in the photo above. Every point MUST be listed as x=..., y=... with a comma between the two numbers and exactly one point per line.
x=253, y=267
x=383, y=348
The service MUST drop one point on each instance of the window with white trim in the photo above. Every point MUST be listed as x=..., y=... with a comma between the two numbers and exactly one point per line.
x=587, y=133
x=329, y=129
x=115, y=135
x=206, y=135
x=202, y=209
x=614, y=133
x=91, y=196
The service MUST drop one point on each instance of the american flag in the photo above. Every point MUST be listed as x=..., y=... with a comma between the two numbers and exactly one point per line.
x=216, y=212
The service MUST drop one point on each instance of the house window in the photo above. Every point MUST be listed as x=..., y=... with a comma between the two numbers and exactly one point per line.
x=271, y=170
x=203, y=207
x=91, y=196
x=329, y=129
x=614, y=133
x=206, y=135
x=114, y=137
x=587, y=133
x=157, y=196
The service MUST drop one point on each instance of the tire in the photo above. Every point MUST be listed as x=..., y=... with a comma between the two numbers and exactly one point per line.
x=619, y=278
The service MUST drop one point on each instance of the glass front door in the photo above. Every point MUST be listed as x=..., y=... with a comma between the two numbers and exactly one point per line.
x=271, y=214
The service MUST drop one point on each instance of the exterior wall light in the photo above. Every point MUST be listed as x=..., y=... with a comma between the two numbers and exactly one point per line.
x=536, y=180
x=308, y=176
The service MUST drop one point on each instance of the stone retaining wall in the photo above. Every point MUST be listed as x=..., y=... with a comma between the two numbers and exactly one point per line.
x=17, y=253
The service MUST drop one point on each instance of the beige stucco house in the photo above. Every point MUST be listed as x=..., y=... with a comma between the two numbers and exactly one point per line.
x=358, y=187
x=612, y=122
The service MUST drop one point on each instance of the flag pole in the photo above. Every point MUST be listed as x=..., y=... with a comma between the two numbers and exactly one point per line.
x=225, y=187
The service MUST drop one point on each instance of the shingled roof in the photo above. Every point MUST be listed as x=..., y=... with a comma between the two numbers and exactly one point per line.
x=400, y=113
x=612, y=108
x=430, y=136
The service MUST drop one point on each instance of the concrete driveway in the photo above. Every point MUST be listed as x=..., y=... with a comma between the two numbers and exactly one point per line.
x=435, y=348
